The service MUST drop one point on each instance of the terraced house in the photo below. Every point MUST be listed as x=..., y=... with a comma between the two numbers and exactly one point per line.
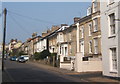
x=53, y=40
x=89, y=57
x=110, y=25
x=66, y=41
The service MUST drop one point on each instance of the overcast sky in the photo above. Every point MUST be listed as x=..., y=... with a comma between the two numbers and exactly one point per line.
x=24, y=18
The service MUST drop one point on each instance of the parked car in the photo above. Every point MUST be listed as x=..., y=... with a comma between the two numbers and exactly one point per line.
x=17, y=58
x=26, y=57
x=21, y=59
x=13, y=58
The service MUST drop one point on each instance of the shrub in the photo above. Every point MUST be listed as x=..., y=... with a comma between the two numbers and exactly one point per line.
x=44, y=54
x=53, y=54
x=37, y=56
x=41, y=55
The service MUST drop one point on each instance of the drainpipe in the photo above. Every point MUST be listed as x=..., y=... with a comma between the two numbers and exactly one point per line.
x=77, y=38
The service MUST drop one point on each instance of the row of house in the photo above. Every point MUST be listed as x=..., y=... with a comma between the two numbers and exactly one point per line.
x=13, y=46
x=91, y=43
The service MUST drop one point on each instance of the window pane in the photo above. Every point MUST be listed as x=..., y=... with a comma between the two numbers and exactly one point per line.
x=112, y=23
x=114, y=58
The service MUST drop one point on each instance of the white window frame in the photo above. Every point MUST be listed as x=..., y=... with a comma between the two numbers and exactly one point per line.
x=111, y=25
x=70, y=36
x=95, y=23
x=90, y=29
x=82, y=31
x=66, y=51
x=62, y=50
x=61, y=37
x=90, y=47
x=70, y=49
x=82, y=47
x=96, y=45
x=112, y=67
x=95, y=6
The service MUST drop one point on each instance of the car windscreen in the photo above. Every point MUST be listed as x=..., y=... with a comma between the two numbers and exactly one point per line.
x=22, y=58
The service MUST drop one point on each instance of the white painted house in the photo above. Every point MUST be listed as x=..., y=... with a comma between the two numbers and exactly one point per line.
x=63, y=52
x=110, y=26
x=42, y=45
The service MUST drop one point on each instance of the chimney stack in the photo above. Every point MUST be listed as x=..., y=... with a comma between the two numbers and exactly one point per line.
x=76, y=19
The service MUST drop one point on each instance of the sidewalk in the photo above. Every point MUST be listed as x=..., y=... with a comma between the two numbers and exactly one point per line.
x=86, y=76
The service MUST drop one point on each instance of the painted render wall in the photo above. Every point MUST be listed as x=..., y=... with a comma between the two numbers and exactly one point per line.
x=108, y=42
x=119, y=41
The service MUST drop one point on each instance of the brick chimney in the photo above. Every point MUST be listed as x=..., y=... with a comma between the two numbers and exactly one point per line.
x=64, y=25
x=76, y=19
x=54, y=28
x=44, y=34
x=34, y=34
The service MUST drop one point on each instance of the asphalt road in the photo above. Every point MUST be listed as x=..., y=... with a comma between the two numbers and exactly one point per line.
x=25, y=72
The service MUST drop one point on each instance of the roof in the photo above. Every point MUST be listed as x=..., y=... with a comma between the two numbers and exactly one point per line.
x=85, y=18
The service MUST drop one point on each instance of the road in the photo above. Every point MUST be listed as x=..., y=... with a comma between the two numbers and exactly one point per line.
x=26, y=72
x=36, y=72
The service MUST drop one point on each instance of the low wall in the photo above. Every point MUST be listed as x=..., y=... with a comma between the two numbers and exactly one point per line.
x=65, y=65
x=89, y=66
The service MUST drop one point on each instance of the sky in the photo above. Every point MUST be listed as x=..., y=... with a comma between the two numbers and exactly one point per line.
x=0, y=22
x=24, y=18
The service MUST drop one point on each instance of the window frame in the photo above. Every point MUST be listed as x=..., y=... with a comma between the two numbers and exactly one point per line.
x=90, y=29
x=82, y=47
x=96, y=47
x=112, y=25
x=112, y=67
x=95, y=6
x=82, y=31
x=95, y=24
x=90, y=46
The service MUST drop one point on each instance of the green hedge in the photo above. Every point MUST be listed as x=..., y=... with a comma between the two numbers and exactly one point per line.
x=41, y=55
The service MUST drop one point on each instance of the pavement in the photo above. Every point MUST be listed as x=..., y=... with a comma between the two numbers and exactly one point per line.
x=85, y=76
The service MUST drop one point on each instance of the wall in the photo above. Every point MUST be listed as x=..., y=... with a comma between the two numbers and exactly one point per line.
x=91, y=66
x=86, y=66
x=119, y=41
x=108, y=42
x=65, y=65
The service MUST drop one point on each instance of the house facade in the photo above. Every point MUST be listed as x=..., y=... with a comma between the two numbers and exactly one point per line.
x=66, y=45
x=52, y=39
x=96, y=30
x=88, y=56
x=30, y=45
x=110, y=25
x=11, y=44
